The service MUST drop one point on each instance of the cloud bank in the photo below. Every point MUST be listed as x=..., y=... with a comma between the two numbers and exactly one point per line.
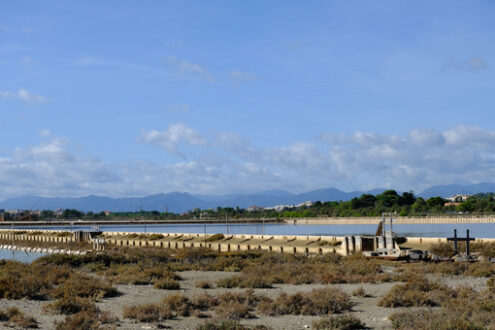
x=225, y=162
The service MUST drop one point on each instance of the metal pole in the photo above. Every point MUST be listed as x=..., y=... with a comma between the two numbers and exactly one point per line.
x=467, y=242
x=263, y=218
x=455, y=241
x=227, y=223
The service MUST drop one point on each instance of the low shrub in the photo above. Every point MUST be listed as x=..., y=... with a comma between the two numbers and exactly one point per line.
x=155, y=237
x=317, y=302
x=204, y=301
x=80, y=285
x=221, y=325
x=178, y=303
x=418, y=291
x=215, y=237
x=247, y=297
x=203, y=285
x=167, y=284
x=245, y=280
x=15, y=318
x=233, y=310
x=147, y=313
x=69, y=305
x=359, y=292
x=92, y=319
x=341, y=322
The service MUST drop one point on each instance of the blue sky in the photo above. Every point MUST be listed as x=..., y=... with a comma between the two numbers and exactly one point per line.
x=124, y=98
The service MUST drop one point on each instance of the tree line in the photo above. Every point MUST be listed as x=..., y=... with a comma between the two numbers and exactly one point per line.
x=367, y=205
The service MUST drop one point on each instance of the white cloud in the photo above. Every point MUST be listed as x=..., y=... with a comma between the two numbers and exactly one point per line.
x=172, y=137
x=240, y=77
x=27, y=60
x=177, y=107
x=44, y=132
x=23, y=95
x=188, y=70
x=225, y=163
x=473, y=63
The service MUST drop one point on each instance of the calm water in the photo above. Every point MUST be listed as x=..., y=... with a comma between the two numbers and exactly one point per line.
x=485, y=230
x=21, y=256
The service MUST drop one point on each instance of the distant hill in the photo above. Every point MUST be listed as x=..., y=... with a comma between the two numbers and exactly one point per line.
x=175, y=202
x=457, y=189
x=178, y=202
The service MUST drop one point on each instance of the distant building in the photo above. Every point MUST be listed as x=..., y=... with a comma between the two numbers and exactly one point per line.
x=107, y=213
x=305, y=204
x=458, y=198
x=254, y=208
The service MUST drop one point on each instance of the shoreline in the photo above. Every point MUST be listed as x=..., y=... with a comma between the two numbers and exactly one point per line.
x=288, y=221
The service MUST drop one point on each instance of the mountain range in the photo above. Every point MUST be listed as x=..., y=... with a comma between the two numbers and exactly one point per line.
x=178, y=202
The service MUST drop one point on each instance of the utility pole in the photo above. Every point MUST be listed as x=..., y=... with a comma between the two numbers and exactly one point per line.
x=226, y=223
x=263, y=219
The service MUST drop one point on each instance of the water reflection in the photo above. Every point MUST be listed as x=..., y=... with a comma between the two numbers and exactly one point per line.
x=485, y=230
x=22, y=256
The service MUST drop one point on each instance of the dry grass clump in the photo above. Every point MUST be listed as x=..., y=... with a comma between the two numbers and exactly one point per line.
x=166, y=284
x=233, y=311
x=215, y=237
x=15, y=318
x=417, y=291
x=204, y=301
x=80, y=285
x=221, y=325
x=37, y=281
x=341, y=322
x=203, y=285
x=92, y=319
x=446, y=249
x=317, y=302
x=360, y=292
x=147, y=313
x=234, y=306
x=468, y=310
x=155, y=237
x=141, y=274
x=245, y=280
x=179, y=304
x=476, y=269
x=69, y=305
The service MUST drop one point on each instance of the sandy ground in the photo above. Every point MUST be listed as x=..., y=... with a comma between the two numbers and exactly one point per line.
x=366, y=307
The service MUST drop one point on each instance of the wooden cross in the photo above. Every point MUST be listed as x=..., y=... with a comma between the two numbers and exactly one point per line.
x=462, y=239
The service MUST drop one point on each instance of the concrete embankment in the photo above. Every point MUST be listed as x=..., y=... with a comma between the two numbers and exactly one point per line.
x=397, y=220
x=224, y=243
x=75, y=223
x=42, y=250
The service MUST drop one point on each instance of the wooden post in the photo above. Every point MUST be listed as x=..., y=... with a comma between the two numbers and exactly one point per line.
x=467, y=242
x=455, y=241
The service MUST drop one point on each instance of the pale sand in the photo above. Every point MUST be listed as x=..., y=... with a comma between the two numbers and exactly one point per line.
x=366, y=307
